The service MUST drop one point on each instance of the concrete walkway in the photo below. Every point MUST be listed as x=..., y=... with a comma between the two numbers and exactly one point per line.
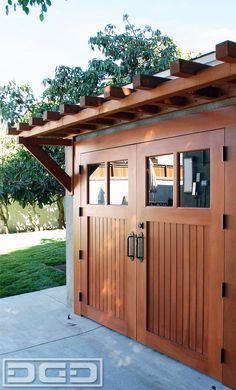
x=35, y=325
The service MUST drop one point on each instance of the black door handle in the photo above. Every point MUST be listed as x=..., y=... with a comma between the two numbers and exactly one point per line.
x=130, y=245
x=139, y=247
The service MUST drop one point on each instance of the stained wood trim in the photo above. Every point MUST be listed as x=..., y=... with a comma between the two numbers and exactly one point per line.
x=117, y=93
x=161, y=118
x=91, y=101
x=69, y=109
x=45, y=141
x=60, y=175
x=51, y=115
x=12, y=131
x=23, y=127
x=36, y=121
x=226, y=51
x=184, y=68
x=146, y=82
x=210, y=76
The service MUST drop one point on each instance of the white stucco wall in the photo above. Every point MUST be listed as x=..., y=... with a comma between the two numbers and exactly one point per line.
x=24, y=219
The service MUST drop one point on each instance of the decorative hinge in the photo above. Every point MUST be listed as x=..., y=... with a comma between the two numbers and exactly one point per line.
x=223, y=289
x=223, y=221
x=80, y=255
x=80, y=168
x=80, y=211
x=224, y=153
x=80, y=296
x=222, y=355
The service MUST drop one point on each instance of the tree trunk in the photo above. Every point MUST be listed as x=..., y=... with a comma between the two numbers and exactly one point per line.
x=61, y=216
x=4, y=216
x=34, y=218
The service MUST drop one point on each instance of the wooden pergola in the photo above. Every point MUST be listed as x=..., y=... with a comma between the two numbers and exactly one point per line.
x=192, y=86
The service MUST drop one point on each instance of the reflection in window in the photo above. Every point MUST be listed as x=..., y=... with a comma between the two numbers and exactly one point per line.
x=160, y=180
x=195, y=179
x=118, y=176
x=96, y=177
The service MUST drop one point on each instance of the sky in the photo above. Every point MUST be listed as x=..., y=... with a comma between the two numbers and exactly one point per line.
x=31, y=50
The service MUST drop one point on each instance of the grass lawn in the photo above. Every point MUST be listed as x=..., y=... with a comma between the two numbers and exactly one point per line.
x=31, y=269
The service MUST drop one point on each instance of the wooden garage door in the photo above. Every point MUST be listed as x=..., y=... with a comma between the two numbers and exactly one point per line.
x=180, y=271
x=163, y=202
x=108, y=201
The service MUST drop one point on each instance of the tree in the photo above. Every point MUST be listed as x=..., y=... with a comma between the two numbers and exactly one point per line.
x=133, y=51
x=26, y=4
x=22, y=178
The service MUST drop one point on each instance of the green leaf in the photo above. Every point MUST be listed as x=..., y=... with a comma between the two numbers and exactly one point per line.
x=41, y=17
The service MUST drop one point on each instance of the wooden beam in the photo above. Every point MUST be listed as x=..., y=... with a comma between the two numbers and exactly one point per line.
x=226, y=51
x=184, y=68
x=209, y=92
x=34, y=121
x=145, y=82
x=82, y=126
x=177, y=101
x=148, y=109
x=91, y=101
x=116, y=93
x=51, y=116
x=60, y=175
x=44, y=141
x=125, y=116
x=12, y=131
x=103, y=121
x=23, y=126
x=69, y=109
x=218, y=74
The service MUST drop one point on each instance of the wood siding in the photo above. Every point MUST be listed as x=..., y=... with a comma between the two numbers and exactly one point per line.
x=106, y=265
x=176, y=293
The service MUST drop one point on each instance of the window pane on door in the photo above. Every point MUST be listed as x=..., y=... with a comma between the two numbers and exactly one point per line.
x=96, y=178
x=118, y=182
x=160, y=180
x=195, y=179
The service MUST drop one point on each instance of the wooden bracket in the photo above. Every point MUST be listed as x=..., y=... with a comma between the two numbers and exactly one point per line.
x=51, y=165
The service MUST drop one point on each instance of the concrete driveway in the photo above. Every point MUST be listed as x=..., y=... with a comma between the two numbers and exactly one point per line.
x=36, y=325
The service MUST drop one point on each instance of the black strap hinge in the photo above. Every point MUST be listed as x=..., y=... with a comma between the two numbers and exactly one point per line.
x=224, y=153
x=223, y=289
x=222, y=355
x=223, y=221
x=80, y=296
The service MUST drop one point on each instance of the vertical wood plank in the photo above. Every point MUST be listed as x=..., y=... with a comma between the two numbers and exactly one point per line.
x=89, y=256
x=113, y=264
x=186, y=282
x=109, y=267
x=121, y=268
x=162, y=279
x=167, y=279
x=101, y=263
x=150, y=277
x=193, y=286
x=200, y=288
x=117, y=267
x=93, y=262
x=179, y=292
x=173, y=281
x=105, y=295
x=97, y=263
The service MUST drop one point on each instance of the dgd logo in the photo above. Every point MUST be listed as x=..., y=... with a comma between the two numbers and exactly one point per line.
x=52, y=373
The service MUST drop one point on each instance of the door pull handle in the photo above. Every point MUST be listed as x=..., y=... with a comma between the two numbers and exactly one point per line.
x=130, y=246
x=139, y=247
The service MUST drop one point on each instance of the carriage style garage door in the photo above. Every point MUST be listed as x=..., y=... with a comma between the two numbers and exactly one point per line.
x=154, y=245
